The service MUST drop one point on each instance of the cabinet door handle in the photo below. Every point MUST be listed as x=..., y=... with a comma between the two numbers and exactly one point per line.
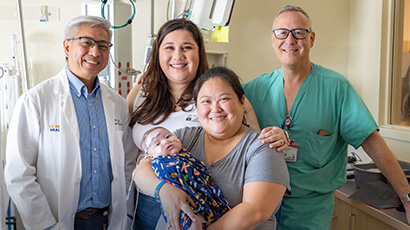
x=350, y=221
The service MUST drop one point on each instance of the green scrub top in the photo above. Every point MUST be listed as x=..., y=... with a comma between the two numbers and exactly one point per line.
x=326, y=101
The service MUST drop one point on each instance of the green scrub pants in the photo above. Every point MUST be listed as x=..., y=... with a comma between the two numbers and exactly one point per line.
x=313, y=212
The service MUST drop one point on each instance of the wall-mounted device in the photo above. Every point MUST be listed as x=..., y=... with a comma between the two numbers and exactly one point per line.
x=43, y=13
x=209, y=13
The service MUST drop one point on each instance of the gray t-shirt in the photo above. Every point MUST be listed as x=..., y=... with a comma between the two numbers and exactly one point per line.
x=248, y=161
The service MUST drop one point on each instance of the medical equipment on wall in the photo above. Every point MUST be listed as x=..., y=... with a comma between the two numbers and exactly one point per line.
x=128, y=22
x=206, y=14
x=14, y=80
x=14, y=77
x=12, y=85
x=118, y=74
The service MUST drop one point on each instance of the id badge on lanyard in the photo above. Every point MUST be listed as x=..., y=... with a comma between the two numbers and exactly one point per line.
x=291, y=153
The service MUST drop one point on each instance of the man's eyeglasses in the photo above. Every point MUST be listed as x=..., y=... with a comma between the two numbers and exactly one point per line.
x=87, y=42
x=297, y=33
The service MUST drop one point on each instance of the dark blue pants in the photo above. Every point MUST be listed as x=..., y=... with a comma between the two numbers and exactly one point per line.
x=98, y=221
x=148, y=213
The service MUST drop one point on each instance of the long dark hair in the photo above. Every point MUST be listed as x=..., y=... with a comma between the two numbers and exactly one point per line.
x=159, y=102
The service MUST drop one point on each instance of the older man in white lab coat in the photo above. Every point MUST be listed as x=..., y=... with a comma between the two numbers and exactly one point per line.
x=69, y=156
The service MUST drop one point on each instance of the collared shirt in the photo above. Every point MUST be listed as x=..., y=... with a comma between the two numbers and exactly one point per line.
x=95, y=187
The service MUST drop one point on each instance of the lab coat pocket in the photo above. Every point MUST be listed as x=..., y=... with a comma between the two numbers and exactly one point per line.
x=318, y=149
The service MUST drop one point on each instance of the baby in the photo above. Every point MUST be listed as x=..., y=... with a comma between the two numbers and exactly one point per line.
x=174, y=165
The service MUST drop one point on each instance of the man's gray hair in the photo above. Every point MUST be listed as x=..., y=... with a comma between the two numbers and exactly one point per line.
x=72, y=27
x=289, y=8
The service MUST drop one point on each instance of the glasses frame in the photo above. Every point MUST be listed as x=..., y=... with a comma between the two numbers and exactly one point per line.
x=94, y=43
x=292, y=32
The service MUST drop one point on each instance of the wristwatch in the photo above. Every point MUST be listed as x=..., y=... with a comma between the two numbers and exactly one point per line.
x=405, y=198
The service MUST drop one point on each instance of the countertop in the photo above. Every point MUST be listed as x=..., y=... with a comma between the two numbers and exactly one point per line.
x=390, y=216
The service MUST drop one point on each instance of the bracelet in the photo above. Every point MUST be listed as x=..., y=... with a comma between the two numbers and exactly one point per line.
x=158, y=188
x=287, y=136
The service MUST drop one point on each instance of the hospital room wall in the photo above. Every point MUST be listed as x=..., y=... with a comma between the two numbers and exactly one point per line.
x=249, y=49
x=342, y=42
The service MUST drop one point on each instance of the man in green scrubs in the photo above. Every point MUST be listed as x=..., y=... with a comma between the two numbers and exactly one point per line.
x=323, y=114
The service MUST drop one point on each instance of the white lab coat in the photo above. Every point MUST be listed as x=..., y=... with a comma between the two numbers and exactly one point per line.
x=43, y=169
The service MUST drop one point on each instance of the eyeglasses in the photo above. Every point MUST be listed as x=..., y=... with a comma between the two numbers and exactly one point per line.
x=87, y=42
x=297, y=33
